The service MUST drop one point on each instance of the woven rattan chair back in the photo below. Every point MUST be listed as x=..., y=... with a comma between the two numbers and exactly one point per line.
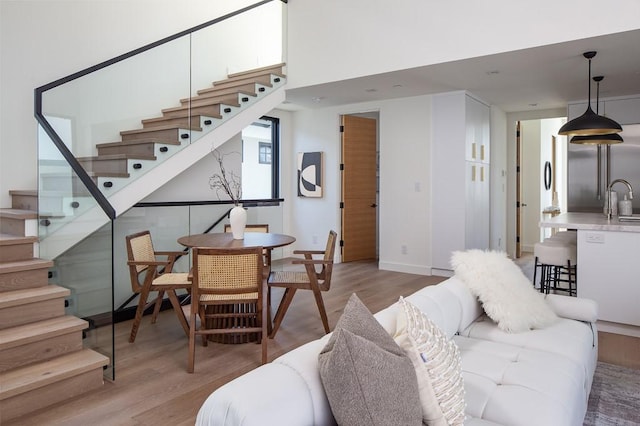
x=229, y=297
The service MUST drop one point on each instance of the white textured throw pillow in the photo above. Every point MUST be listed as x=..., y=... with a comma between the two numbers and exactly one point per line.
x=436, y=360
x=506, y=294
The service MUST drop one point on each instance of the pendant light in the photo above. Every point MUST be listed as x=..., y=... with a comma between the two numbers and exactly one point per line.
x=608, y=139
x=590, y=123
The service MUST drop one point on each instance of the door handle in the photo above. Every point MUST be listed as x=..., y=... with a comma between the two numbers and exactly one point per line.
x=374, y=205
x=524, y=205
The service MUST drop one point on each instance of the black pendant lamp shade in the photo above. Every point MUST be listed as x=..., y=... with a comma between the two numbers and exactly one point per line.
x=608, y=139
x=590, y=123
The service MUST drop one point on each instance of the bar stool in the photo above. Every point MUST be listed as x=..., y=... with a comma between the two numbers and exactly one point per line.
x=570, y=237
x=557, y=260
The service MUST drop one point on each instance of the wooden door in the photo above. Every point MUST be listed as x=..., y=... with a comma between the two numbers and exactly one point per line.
x=359, y=188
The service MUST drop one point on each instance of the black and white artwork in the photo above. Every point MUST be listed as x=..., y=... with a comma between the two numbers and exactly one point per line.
x=310, y=174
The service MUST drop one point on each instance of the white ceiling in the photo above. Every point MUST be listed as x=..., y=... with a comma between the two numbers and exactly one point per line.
x=537, y=78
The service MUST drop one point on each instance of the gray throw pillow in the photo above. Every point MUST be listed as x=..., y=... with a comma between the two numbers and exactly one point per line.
x=367, y=377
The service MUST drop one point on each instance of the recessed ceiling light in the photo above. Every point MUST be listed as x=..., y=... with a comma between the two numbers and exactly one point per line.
x=317, y=98
x=533, y=105
x=371, y=90
x=493, y=72
x=396, y=86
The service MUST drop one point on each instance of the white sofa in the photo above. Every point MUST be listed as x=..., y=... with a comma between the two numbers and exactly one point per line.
x=539, y=377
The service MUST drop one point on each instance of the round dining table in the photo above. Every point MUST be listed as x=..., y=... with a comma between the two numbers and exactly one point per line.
x=225, y=240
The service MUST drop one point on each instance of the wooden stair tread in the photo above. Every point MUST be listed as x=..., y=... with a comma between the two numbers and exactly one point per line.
x=111, y=157
x=229, y=99
x=200, y=100
x=133, y=142
x=25, y=265
x=247, y=77
x=10, y=239
x=27, y=192
x=155, y=129
x=18, y=214
x=21, y=380
x=226, y=84
x=161, y=119
x=30, y=295
x=36, y=331
x=259, y=70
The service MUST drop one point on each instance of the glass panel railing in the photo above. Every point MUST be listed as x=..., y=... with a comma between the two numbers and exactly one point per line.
x=87, y=271
x=123, y=120
x=105, y=128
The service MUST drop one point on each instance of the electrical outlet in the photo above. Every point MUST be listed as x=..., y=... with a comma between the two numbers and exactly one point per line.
x=403, y=249
x=594, y=237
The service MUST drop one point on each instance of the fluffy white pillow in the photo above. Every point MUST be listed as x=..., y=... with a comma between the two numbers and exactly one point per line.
x=436, y=360
x=506, y=294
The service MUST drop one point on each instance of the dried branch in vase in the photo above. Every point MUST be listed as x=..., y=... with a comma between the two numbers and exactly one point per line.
x=226, y=181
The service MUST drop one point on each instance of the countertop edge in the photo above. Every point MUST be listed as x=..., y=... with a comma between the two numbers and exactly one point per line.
x=589, y=221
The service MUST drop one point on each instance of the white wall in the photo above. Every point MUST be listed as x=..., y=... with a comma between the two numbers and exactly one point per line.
x=404, y=209
x=412, y=33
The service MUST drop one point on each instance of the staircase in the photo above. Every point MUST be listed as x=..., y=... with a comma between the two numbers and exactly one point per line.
x=127, y=171
x=42, y=360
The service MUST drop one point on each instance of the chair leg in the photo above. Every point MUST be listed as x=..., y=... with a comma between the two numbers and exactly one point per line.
x=203, y=325
x=191, y=356
x=535, y=270
x=156, y=308
x=173, y=298
x=323, y=312
x=269, y=322
x=263, y=335
x=287, y=297
x=139, y=311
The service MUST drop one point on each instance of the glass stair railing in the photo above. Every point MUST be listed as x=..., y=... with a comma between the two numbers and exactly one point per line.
x=114, y=133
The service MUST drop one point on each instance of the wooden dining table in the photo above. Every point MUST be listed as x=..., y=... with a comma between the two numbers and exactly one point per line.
x=225, y=240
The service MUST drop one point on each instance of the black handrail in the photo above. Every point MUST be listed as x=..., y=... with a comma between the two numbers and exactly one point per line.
x=73, y=162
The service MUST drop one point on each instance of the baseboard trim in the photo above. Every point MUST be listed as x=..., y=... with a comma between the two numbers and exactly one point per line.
x=407, y=269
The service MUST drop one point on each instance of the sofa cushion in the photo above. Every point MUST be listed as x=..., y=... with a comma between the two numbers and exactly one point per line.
x=512, y=385
x=436, y=360
x=367, y=377
x=571, y=339
x=506, y=294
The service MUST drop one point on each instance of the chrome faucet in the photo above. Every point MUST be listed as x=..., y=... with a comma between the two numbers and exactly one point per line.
x=609, y=209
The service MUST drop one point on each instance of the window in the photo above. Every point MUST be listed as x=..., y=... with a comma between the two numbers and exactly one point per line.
x=260, y=154
x=264, y=153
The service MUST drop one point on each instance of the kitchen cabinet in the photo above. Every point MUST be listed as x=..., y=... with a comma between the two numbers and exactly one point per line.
x=461, y=171
x=608, y=267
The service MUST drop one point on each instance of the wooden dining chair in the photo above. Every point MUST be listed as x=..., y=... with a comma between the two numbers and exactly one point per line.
x=311, y=279
x=257, y=227
x=145, y=275
x=230, y=279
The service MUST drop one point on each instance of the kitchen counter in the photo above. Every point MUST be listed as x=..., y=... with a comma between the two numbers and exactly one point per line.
x=590, y=221
x=608, y=267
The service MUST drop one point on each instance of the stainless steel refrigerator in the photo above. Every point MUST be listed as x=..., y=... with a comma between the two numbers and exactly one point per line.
x=588, y=175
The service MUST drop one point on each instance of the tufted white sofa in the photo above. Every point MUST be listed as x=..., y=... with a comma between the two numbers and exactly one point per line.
x=540, y=377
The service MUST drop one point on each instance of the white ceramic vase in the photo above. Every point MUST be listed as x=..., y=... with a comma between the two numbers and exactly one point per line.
x=238, y=221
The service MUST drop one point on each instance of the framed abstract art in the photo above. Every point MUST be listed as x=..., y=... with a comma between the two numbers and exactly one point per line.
x=309, y=165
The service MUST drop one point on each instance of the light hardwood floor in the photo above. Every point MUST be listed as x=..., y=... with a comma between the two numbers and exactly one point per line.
x=152, y=386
